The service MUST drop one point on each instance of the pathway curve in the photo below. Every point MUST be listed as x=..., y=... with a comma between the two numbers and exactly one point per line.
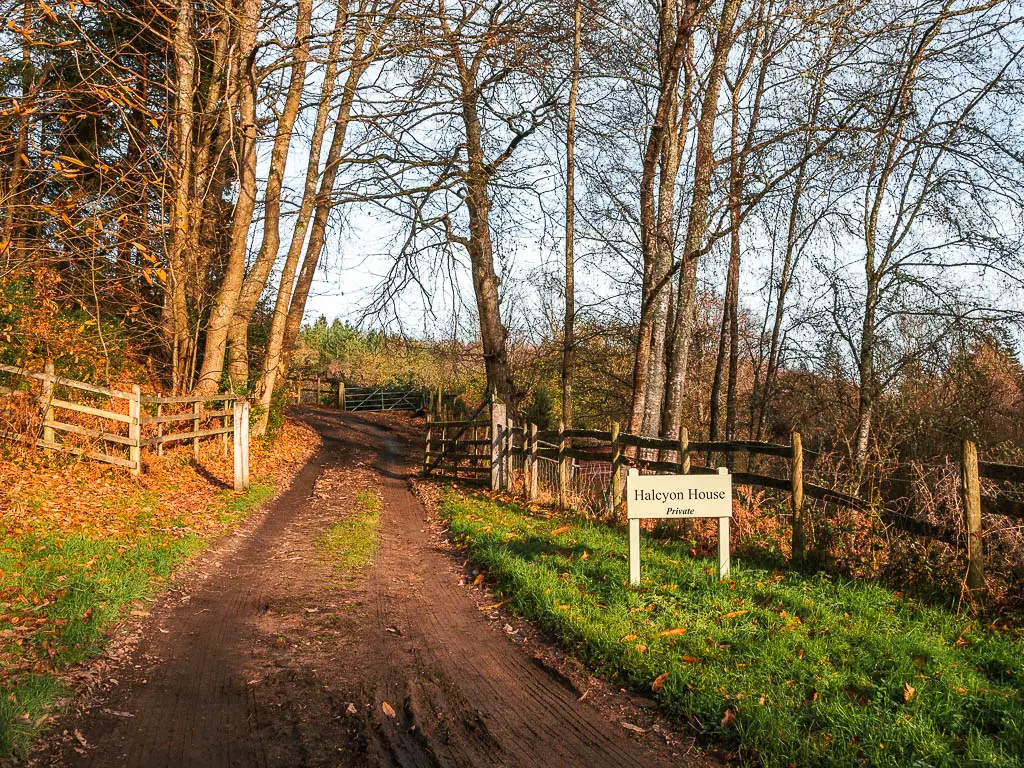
x=267, y=657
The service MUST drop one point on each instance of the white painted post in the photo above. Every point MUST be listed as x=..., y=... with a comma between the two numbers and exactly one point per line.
x=236, y=433
x=135, y=430
x=634, y=540
x=723, y=539
x=634, y=551
x=245, y=444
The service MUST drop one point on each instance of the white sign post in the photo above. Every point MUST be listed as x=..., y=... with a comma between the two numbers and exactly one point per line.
x=678, y=497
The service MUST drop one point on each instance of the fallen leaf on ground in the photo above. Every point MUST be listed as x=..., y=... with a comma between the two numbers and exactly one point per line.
x=733, y=614
x=563, y=529
x=478, y=580
x=908, y=692
x=633, y=728
x=628, y=639
x=387, y=709
x=728, y=719
x=493, y=606
x=351, y=708
x=672, y=632
x=659, y=682
x=690, y=659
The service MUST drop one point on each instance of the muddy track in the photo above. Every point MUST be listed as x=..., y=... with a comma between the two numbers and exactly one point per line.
x=274, y=659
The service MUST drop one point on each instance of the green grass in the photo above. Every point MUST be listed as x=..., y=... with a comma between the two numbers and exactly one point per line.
x=351, y=543
x=816, y=671
x=59, y=593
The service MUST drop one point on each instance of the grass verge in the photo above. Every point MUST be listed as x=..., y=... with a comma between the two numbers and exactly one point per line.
x=785, y=669
x=351, y=543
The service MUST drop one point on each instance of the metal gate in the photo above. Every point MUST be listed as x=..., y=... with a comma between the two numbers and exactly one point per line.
x=382, y=399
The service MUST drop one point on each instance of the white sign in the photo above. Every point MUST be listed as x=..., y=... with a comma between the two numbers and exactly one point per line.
x=670, y=496
x=678, y=497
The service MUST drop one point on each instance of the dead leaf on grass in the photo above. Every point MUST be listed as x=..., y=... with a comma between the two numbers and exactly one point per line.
x=563, y=529
x=733, y=614
x=659, y=682
x=672, y=632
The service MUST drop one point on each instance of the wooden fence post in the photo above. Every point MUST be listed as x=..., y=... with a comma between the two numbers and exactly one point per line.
x=563, y=468
x=498, y=420
x=684, y=450
x=444, y=446
x=971, y=488
x=224, y=425
x=245, y=444
x=236, y=434
x=341, y=395
x=534, y=465
x=426, y=449
x=797, y=501
x=159, y=430
x=135, y=430
x=197, y=408
x=49, y=435
x=616, y=484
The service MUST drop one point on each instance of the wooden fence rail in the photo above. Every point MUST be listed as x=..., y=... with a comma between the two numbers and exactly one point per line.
x=446, y=446
x=143, y=417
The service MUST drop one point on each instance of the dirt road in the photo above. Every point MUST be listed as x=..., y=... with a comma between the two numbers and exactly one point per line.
x=268, y=656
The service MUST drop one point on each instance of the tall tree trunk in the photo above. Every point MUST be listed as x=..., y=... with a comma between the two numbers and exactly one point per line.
x=866, y=369
x=276, y=349
x=493, y=335
x=175, y=312
x=256, y=280
x=568, y=332
x=234, y=273
x=704, y=164
x=675, y=31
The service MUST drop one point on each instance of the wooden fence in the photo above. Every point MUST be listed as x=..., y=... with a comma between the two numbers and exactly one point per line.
x=561, y=456
x=124, y=423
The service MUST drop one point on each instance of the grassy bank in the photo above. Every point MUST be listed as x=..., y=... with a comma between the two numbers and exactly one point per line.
x=786, y=669
x=81, y=545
